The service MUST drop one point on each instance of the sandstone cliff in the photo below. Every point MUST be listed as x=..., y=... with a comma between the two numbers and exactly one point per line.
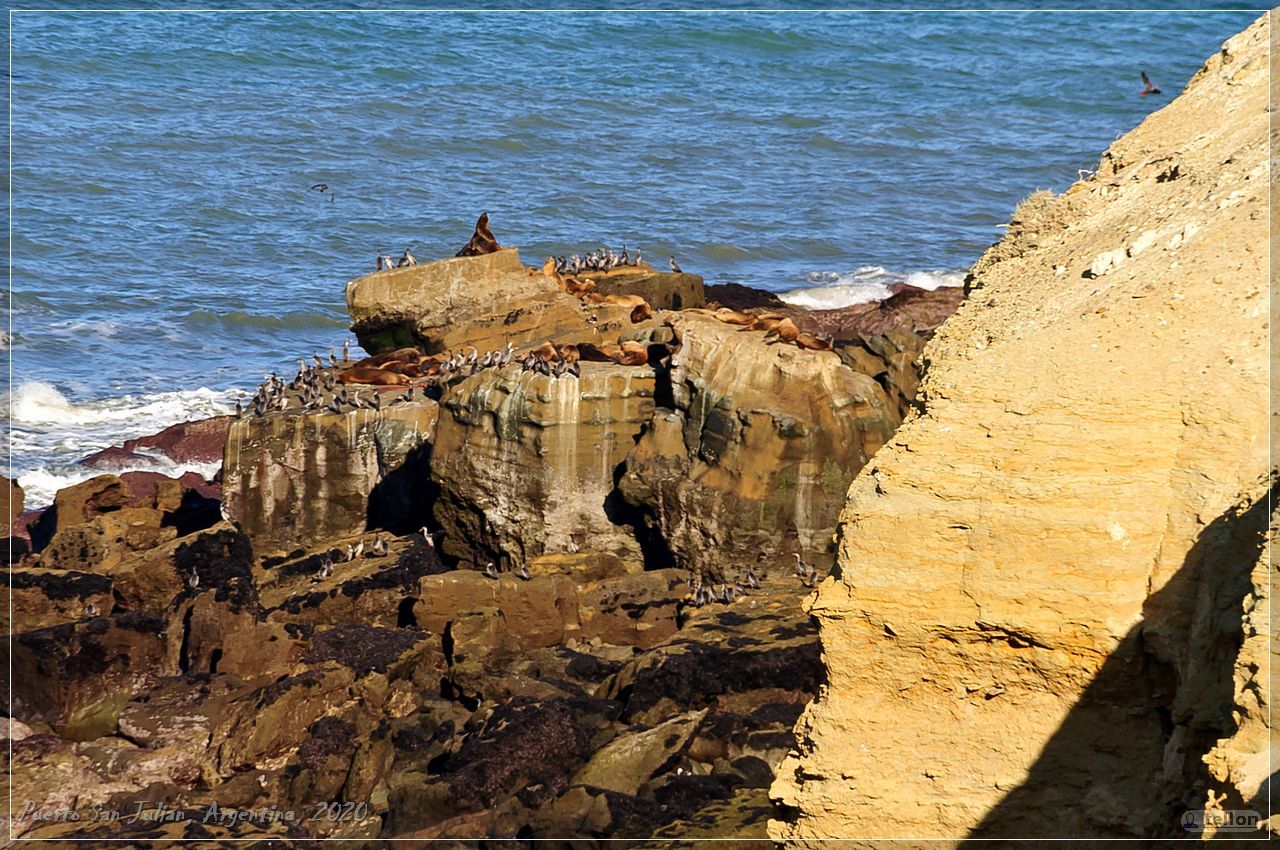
x=1046, y=619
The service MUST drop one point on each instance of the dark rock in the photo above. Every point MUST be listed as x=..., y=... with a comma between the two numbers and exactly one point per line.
x=363, y=649
x=198, y=441
x=735, y=296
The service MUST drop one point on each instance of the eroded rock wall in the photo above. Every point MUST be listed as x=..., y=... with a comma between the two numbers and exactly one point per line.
x=292, y=479
x=1042, y=577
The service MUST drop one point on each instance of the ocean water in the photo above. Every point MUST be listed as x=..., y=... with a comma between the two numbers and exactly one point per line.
x=167, y=252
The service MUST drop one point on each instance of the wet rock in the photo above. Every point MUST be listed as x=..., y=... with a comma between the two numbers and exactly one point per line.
x=754, y=448
x=562, y=439
x=197, y=441
x=113, y=457
x=293, y=480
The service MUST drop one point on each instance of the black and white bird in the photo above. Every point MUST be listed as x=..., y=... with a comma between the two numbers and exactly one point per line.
x=1148, y=87
x=675, y=267
x=490, y=570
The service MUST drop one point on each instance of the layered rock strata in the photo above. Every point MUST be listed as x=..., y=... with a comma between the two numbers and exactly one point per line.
x=1057, y=652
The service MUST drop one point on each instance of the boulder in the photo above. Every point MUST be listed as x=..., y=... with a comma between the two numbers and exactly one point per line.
x=292, y=479
x=107, y=540
x=562, y=439
x=663, y=290
x=77, y=504
x=483, y=300
x=48, y=597
x=630, y=760
x=634, y=610
x=755, y=447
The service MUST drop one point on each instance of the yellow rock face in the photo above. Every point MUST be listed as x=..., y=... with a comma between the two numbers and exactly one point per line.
x=1042, y=576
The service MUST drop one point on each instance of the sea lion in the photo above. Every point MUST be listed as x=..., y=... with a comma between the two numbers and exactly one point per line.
x=633, y=354
x=785, y=330
x=813, y=343
x=641, y=312
x=733, y=317
x=568, y=352
x=601, y=352
x=594, y=297
x=630, y=301
x=549, y=268
x=405, y=355
x=482, y=241
x=545, y=351
x=379, y=377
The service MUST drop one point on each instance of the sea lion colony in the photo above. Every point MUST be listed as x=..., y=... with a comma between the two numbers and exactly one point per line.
x=315, y=388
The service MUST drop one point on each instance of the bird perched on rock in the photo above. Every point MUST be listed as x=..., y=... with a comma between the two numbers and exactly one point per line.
x=522, y=573
x=675, y=267
x=406, y=259
x=426, y=537
x=380, y=547
x=490, y=570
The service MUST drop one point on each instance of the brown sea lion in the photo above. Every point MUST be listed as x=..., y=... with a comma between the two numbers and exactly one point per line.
x=785, y=330
x=546, y=351
x=601, y=352
x=568, y=352
x=379, y=377
x=549, y=268
x=813, y=343
x=765, y=323
x=641, y=312
x=624, y=300
x=482, y=241
x=404, y=355
x=634, y=354
x=733, y=317
x=594, y=298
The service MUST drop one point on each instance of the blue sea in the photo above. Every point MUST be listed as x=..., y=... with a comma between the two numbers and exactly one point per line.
x=167, y=252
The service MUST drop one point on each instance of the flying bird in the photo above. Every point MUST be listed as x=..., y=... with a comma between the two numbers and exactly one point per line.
x=1148, y=87
x=323, y=189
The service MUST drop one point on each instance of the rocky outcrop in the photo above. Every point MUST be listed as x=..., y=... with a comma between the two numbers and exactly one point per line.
x=1083, y=494
x=292, y=479
x=562, y=439
x=754, y=446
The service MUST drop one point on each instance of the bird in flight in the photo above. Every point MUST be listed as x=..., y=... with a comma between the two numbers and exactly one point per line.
x=323, y=188
x=1148, y=87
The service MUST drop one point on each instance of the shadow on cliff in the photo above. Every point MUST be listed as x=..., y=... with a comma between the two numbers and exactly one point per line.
x=401, y=502
x=1128, y=760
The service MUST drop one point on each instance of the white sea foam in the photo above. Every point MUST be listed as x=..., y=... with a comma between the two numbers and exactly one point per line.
x=49, y=432
x=40, y=485
x=867, y=283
